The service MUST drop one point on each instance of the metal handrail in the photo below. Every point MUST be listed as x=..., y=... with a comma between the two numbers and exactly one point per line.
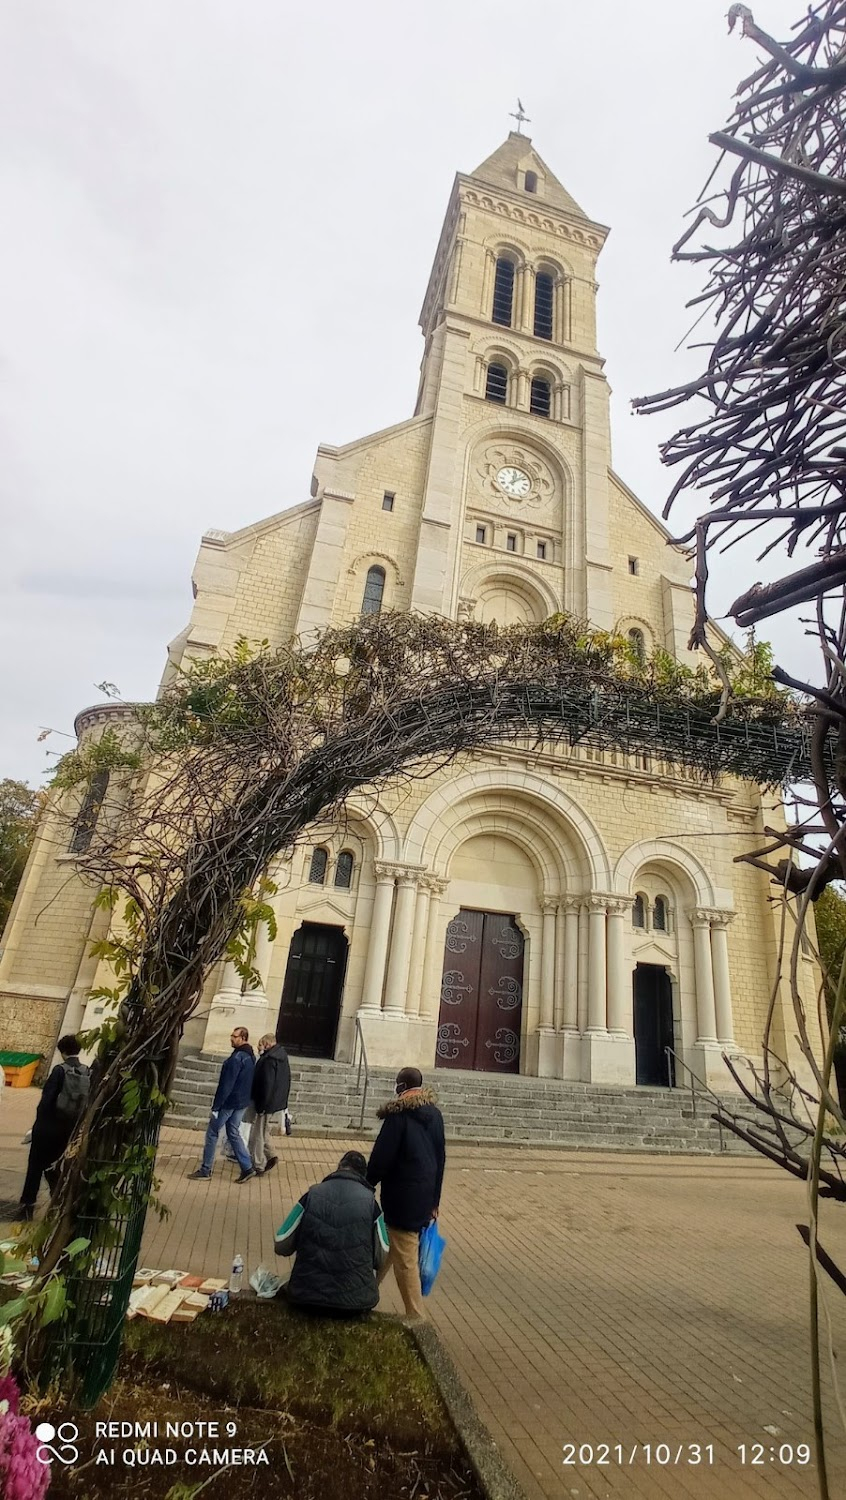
x=359, y=1042
x=694, y=1079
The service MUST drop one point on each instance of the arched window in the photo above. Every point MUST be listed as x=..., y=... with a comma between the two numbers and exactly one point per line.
x=317, y=869
x=503, y=297
x=344, y=870
x=544, y=304
x=659, y=914
x=531, y=182
x=496, y=385
x=639, y=911
x=638, y=645
x=540, y=399
x=86, y=820
x=374, y=588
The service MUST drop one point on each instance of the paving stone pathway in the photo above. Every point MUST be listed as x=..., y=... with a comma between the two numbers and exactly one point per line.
x=587, y=1300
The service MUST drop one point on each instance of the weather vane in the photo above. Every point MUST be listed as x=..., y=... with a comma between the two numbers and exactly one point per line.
x=520, y=116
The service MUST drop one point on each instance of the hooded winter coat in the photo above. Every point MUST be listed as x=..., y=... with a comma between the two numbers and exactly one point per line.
x=408, y=1159
x=272, y=1081
x=340, y=1240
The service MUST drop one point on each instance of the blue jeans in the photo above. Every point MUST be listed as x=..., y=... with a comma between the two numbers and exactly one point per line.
x=231, y=1119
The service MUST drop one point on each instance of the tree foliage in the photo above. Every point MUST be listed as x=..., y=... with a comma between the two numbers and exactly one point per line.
x=20, y=807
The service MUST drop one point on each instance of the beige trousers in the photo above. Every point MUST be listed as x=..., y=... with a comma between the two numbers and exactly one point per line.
x=259, y=1148
x=403, y=1252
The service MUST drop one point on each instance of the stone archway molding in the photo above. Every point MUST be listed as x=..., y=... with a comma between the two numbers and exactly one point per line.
x=664, y=851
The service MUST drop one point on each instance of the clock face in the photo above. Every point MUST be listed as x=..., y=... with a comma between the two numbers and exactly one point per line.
x=514, y=482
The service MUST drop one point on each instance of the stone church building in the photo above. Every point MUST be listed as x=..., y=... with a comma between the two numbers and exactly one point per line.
x=569, y=913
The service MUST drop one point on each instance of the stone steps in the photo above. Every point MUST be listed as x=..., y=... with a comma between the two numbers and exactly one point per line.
x=481, y=1107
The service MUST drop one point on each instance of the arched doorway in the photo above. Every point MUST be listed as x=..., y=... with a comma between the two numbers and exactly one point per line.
x=653, y=1025
x=481, y=993
x=311, y=995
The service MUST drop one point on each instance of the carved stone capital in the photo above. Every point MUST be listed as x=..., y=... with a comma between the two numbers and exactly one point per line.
x=700, y=916
x=618, y=906
x=571, y=904
x=434, y=885
x=596, y=902
x=384, y=872
x=722, y=919
x=549, y=904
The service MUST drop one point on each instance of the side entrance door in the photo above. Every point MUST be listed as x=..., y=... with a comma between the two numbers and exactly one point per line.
x=481, y=993
x=653, y=1025
x=311, y=994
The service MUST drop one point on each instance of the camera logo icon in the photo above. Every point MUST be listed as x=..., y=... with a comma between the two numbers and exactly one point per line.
x=64, y=1438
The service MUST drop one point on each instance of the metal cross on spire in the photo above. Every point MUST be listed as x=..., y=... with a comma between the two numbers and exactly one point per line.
x=520, y=116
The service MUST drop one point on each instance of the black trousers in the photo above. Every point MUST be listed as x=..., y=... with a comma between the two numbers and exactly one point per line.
x=45, y=1153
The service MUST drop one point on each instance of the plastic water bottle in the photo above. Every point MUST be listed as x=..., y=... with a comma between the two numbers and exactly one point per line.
x=237, y=1276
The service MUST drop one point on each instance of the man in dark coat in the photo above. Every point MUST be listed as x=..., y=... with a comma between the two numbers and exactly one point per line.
x=231, y=1099
x=408, y=1159
x=340, y=1240
x=63, y=1099
x=271, y=1087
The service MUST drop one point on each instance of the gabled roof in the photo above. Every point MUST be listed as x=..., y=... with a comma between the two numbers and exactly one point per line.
x=500, y=170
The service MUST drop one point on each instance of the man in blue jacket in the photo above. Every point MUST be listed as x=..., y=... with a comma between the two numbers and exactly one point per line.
x=231, y=1099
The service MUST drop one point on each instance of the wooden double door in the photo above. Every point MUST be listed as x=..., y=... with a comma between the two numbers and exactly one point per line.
x=653, y=1025
x=481, y=993
x=311, y=994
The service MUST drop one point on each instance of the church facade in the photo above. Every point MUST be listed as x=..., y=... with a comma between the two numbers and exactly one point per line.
x=564, y=912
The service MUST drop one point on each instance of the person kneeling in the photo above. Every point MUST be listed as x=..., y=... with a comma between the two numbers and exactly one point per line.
x=340, y=1240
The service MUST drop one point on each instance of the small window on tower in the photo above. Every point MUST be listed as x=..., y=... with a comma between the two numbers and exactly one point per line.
x=542, y=551
x=374, y=589
x=634, y=567
x=344, y=870
x=638, y=645
x=659, y=914
x=511, y=542
x=317, y=869
x=481, y=534
x=388, y=500
x=540, y=398
x=544, y=303
x=86, y=819
x=503, y=298
x=531, y=182
x=639, y=911
x=496, y=386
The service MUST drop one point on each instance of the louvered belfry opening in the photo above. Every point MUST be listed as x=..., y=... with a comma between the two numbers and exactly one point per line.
x=496, y=385
x=544, y=303
x=541, y=397
x=503, y=298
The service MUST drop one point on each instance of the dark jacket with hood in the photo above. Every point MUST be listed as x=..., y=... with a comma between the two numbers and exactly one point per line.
x=272, y=1081
x=408, y=1159
x=236, y=1079
x=340, y=1240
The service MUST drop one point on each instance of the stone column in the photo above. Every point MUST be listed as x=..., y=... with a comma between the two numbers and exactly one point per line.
x=488, y=285
x=706, y=1021
x=547, y=998
x=559, y=294
x=570, y=997
x=619, y=977
x=433, y=957
x=522, y=393
x=722, y=976
x=527, y=300
x=377, y=948
x=230, y=985
x=418, y=947
x=400, y=954
x=596, y=1019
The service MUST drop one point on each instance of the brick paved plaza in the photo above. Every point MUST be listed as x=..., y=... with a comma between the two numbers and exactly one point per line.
x=585, y=1298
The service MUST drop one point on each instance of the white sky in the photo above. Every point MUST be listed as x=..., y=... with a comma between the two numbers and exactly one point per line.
x=218, y=223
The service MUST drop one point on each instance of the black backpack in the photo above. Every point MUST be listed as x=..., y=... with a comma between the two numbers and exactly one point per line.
x=73, y=1095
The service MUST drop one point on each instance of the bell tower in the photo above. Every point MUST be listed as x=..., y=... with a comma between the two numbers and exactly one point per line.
x=514, y=385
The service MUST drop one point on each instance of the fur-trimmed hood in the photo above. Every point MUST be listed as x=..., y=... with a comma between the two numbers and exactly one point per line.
x=412, y=1099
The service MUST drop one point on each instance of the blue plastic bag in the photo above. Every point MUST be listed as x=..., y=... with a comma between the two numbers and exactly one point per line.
x=430, y=1255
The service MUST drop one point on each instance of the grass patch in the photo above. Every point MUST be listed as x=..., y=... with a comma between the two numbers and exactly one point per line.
x=360, y=1376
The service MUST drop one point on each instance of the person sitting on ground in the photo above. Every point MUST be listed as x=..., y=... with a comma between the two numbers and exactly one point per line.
x=408, y=1158
x=231, y=1099
x=63, y=1099
x=340, y=1240
x=271, y=1087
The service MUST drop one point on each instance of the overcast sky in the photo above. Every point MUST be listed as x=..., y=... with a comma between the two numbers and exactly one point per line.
x=218, y=221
